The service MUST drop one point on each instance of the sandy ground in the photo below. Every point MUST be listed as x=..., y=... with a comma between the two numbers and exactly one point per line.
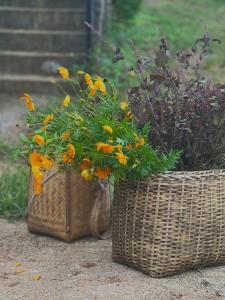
x=84, y=270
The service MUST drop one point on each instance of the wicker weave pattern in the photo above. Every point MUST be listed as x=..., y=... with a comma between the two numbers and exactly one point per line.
x=64, y=208
x=171, y=222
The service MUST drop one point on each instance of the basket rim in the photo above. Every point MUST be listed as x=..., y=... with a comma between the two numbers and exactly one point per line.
x=181, y=175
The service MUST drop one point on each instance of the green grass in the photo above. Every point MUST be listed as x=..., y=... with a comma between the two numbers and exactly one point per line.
x=179, y=21
x=13, y=182
x=14, y=187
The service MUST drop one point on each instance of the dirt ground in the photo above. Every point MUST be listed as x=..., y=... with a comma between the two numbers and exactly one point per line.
x=84, y=270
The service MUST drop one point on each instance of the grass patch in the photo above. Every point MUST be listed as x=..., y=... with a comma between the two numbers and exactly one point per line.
x=13, y=190
x=13, y=182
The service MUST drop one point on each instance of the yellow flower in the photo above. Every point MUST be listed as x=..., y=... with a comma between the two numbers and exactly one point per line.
x=102, y=173
x=48, y=119
x=86, y=163
x=92, y=90
x=88, y=79
x=64, y=73
x=141, y=142
x=86, y=175
x=124, y=105
x=99, y=85
x=119, y=148
x=39, y=139
x=110, y=141
x=28, y=102
x=65, y=136
x=121, y=158
x=106, y=148
x=80, y=72
x=66, y=101
x=107, y=129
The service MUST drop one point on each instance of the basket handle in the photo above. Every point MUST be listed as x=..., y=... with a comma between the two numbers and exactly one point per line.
x=102, y=196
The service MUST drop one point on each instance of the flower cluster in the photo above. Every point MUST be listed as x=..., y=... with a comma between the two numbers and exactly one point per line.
x=92, y=133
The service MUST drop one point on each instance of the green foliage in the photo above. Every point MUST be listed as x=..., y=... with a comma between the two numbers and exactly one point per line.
x=101, y=131
x=125, y=10
x=186, y=111
x=14, y=187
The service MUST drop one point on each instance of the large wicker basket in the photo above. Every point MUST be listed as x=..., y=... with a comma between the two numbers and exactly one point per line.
x=171, y=222
x=69, y=207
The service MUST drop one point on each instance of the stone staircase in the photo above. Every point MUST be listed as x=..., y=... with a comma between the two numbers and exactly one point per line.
x=36, y=37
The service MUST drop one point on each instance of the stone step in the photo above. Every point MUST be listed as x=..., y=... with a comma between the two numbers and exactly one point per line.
x=41, y=18
x=44, y=3
x=29, y=83
x=15, y=62
x=42, y=40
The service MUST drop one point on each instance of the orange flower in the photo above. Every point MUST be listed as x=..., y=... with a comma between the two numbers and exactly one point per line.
x=71, y=151
x=39, y=139
x=69, y=155
x=48, y=119
x=121, y=158
x=129, y=146
x=38, y=177
x=86, y=163
x=65, y=136
x=28, y=101
x=64, y=73
x=66, y=101
x=38, y=188
x=106, y=148
x=36, y=159
x=102, y=173
x=107, y=129
x=67, y=159
x=47, y=163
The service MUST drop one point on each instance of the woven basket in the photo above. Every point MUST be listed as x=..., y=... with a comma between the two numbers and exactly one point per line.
x=69, y=207
x=171, y=222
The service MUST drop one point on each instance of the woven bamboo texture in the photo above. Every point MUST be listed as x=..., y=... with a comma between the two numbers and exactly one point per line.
x=170, y=223
x=65, y=207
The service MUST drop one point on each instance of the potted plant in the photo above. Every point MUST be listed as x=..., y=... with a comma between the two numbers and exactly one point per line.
x=75, y=148
x=175, y=221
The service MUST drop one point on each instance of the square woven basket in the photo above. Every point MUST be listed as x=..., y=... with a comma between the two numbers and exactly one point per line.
x=66, y=206
x=170, y=223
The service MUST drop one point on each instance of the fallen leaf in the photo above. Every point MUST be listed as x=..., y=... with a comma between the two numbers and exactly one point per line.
x=18, y=264
x=36, y=277
x=20, y=271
